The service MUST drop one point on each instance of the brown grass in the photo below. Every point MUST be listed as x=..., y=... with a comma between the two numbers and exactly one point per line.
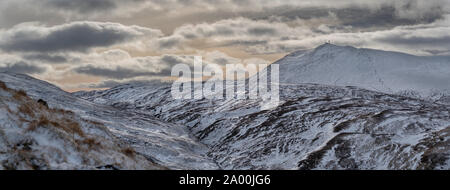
x=3, y=85
x=66, y=112
x=33, y=109
x=91, y=142
x=129, y=152
x=94, y=123
x=66, y=125
x=18, y=95
x=26, y=109
x=69, y=126
x=41, y=122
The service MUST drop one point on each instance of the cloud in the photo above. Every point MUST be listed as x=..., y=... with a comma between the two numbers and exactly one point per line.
x=83, y=6
x=104, y=84
x=84, y=36
x=169, y=42
x=115, y=73
x=114, y=83
x=118, y=64
x=276, y=36
x=75, y=36
x=47, y=58
x=241, y=31
x=208, y=10
x=21, y=67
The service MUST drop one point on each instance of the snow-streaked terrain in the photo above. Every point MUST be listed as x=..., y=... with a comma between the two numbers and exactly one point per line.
x=33, y=136
x=169, y=145
x=389, y=72
x=315, y=126
x=368, y=119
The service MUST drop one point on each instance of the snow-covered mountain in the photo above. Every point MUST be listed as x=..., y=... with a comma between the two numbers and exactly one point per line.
x=315, y=127
x=383, y=71
x=165, y=144
x=368, y=119
x=332, y=125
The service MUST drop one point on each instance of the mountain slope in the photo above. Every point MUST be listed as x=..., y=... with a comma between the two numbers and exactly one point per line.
x=315, y=127
x=323, y=125
x=382, y=71
x=169, y=145
x=33, y=136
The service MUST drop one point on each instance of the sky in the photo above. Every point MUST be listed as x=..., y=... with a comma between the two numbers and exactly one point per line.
x=96, y=44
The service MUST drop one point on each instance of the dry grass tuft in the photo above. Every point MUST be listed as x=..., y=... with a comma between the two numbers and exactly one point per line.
x=19, y=95
x=91, y=142
x=26, y=109
x=66, y=112
x=74, y=127
x=3, y=85
x=66, y=125
x=41, y=122
x=129, y=152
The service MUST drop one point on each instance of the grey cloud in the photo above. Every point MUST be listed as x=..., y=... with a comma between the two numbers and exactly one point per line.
x=416, y=40
x=115, y=73
x=105, y=84
x=76, y=36
x=262, y=31
x=359, y=17
x=83, y=6
x=437, y=52
x=221, y=61
x=170, y=59
x=21, y=67
x=149, y=67
x=385, y=17
x=57, y=59
x=168, y=42
x=114, y=83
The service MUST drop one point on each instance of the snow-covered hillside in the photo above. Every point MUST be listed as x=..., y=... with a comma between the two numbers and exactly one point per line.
x=169, y=145
x=315, y=127
x=340, y=123
x=389, y=72
x=366, y=112
x=33, y=136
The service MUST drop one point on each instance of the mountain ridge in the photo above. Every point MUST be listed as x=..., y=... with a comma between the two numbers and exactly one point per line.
x=314, y=127
x=169, y=145
x=384, y=71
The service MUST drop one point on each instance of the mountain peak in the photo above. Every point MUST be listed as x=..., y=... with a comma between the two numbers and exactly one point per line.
x=326, y=47
x=330, y=46
x=384, y=71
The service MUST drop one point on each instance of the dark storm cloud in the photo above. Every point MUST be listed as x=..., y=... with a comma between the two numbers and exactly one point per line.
x=76, y=36
x=21, y=67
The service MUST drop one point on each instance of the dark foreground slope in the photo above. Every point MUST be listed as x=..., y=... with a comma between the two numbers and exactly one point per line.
x=33, y=136
x=168, y=145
